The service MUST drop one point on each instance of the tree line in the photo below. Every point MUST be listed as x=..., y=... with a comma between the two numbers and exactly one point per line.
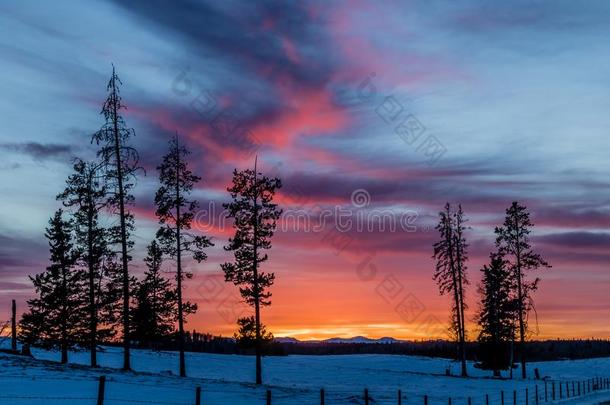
x=505, y=290
x=88, y=296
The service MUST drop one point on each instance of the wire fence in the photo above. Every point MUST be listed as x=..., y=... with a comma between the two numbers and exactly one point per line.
x=109, y=391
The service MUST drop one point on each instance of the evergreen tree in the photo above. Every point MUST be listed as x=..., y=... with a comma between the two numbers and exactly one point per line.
x=55, y=316
x=255, y=217
x=246, y=334
x=450, y=253
x=110, y=299
x=155, y=311
x=176, y=213
x=512, y=241
x=496, y=315
x=120, y=163
x=86, y=193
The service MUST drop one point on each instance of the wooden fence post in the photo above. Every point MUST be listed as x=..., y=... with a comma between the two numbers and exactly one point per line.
x=101, y=389
x=469, y=401
x=14, y=326
x=366, y=396
x=321, y=396
x=546, y=392
x=486, y=399
x=399, y=397
x=502, y=397
x=268, y=397
x=425, y=400
x=198, y=395
x=449, y=401
x=553, y=390
x=573, y=390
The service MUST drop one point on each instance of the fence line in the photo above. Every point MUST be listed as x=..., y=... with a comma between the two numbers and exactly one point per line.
x=549, y=392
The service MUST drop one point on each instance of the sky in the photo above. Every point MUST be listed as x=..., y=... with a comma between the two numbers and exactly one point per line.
x=373, y=114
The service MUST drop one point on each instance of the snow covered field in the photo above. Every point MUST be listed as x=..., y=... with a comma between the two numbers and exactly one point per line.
x=226, y=379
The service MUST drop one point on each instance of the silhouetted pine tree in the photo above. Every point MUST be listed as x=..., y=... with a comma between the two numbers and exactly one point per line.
x=461, y=259
x=86, y=193
x=496, y=315
x=176, y=213
x=111, y=298
x=155, y=310
x=120, y=164
x=255, y=217
x=55, y=317
x=450, y=253
x=512, y=241
x=246, y=334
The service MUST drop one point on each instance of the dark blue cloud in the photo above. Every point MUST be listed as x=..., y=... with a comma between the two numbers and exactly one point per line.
x=42, y=151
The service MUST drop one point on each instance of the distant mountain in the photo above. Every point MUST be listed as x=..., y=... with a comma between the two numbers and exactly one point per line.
x=286, y=340
x=337, y=340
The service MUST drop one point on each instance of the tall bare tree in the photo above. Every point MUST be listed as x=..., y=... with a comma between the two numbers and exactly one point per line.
x=450, y=253
x=255, y=216
x=176, y=213
x=120, y=163
x=512, y=241
x=461, y=260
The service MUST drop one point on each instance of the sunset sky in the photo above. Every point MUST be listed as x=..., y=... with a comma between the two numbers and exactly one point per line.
x=374, y=109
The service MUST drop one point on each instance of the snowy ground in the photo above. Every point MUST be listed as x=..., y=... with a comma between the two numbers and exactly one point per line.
x=226, y=379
